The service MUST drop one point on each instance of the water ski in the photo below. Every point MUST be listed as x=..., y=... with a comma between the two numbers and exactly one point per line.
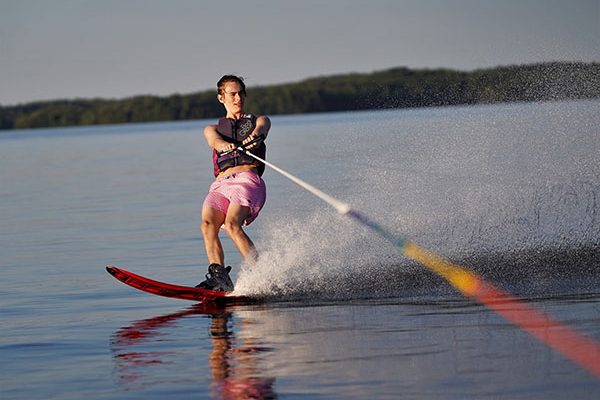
x=173, y=291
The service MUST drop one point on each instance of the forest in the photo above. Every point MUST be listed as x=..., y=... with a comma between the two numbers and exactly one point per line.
x=393, y=88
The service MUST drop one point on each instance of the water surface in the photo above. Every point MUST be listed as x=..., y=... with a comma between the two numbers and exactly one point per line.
x=509, y=191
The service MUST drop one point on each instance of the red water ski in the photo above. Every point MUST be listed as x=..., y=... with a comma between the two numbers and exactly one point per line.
x=174, y=291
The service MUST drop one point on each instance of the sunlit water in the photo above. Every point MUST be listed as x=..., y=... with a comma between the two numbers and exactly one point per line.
x=509, y=191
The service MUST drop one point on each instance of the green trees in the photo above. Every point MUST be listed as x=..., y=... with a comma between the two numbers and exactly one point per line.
x=393, y=88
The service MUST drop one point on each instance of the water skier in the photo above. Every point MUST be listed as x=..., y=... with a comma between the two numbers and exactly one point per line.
x=238, y=193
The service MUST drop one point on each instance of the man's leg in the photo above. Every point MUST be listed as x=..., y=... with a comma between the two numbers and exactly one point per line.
x=212, y=220
x=234, y=220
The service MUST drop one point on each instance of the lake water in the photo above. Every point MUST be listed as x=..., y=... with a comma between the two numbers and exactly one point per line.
x=509, y=191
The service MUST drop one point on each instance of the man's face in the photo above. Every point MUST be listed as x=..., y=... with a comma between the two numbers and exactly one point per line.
x=232, y=98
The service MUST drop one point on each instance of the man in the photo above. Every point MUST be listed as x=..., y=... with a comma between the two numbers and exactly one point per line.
x=238, y=193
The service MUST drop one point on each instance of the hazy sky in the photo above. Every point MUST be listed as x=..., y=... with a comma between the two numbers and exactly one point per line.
x=53, y=49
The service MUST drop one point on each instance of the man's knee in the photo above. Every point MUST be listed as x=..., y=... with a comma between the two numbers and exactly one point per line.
x=233, y=228
x=208, y=225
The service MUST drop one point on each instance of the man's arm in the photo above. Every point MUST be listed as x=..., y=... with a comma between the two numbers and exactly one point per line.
x=214, y=140
x=263, y=124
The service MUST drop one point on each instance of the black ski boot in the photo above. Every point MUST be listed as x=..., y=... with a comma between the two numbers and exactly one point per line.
x=217, y=279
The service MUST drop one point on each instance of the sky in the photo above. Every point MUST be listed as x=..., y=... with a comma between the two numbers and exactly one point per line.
x=64, y=49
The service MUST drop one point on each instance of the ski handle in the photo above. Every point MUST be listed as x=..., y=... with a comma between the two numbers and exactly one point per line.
x=243, y=147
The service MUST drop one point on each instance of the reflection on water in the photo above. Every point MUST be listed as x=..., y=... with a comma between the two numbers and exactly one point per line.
x=440, y=347
x=235, y=370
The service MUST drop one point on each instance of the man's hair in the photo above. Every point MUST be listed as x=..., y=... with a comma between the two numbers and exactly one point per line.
x=230, y=78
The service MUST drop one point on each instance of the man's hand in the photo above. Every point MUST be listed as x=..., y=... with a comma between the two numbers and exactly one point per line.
x=252, y=141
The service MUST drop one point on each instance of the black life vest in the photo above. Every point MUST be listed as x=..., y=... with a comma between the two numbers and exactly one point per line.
x=236, y=131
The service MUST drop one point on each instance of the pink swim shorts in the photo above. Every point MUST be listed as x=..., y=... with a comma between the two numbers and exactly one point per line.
x=244, y=188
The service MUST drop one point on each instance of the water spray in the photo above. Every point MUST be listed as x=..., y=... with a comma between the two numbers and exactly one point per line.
x=580, y=349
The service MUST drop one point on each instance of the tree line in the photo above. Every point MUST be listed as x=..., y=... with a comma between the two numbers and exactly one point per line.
x=393, y=88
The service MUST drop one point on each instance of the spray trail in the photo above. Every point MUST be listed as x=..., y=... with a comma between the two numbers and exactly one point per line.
x=580, y=349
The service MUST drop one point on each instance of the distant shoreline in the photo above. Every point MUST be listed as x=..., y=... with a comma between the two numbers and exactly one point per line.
x=393, y=88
